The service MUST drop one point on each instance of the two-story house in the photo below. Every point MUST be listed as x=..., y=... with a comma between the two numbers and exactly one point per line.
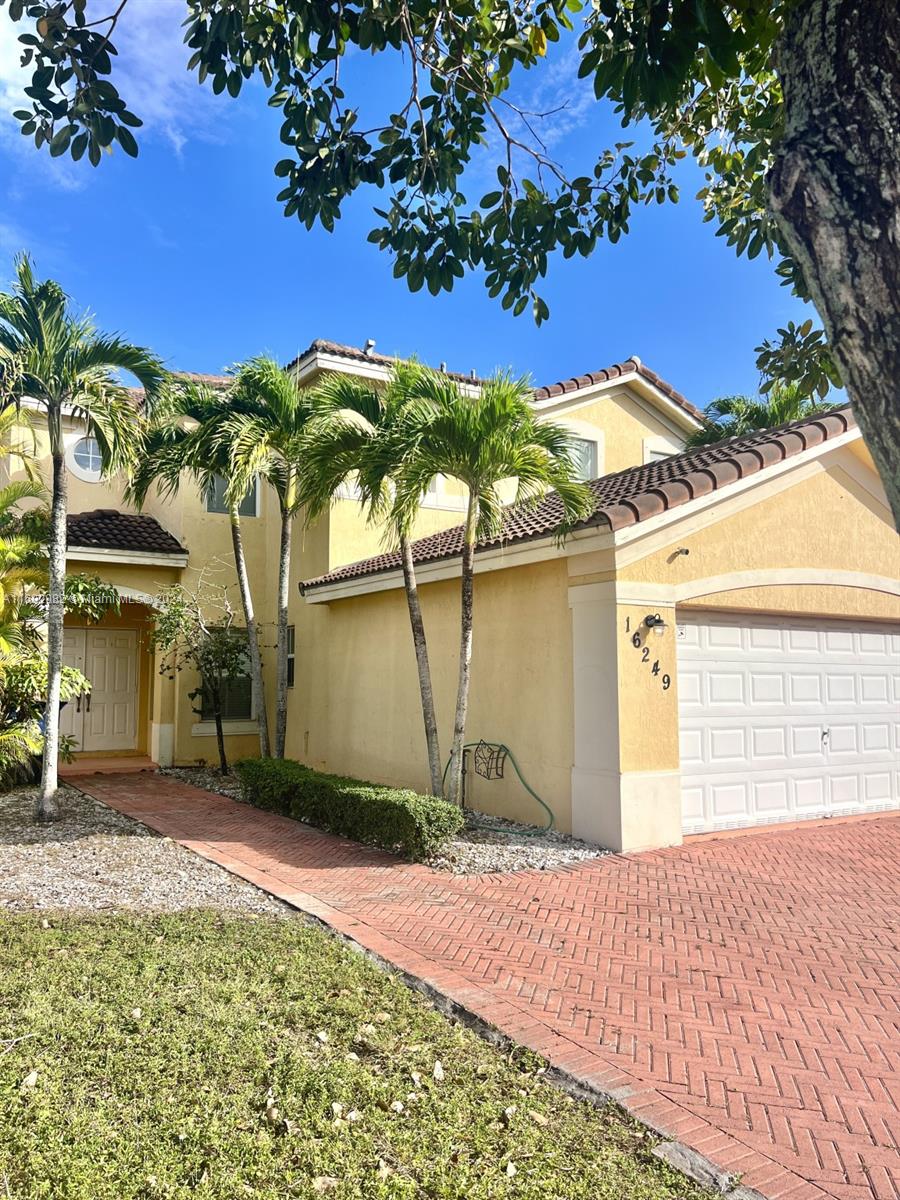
x=717, y=646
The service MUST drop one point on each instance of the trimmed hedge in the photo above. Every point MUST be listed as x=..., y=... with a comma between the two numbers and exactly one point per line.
x=393, y=818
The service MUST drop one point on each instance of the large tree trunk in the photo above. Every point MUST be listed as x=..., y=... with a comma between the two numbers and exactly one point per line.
x=422, y=665
x=284, y=579
x=454, y=783
x=835, y=191
x=256, y=672
x=46, y=808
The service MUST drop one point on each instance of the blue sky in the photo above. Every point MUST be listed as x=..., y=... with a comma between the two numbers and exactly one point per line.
x=186, y=250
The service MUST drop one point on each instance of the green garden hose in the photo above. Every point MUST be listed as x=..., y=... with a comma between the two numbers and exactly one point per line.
x=551, y=819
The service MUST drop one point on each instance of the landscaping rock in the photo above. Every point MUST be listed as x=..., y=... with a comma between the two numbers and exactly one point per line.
x=95, y=860
x=207, y=778
x=491, y=844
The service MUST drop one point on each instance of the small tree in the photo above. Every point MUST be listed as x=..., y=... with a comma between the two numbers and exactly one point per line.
x=61, y=363
x=184, y=438
x=263, y=437
x=358, y=432
x=195, y=629
x=483, y=441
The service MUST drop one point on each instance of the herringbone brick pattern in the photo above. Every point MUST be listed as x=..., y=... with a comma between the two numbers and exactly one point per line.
x=743, y=995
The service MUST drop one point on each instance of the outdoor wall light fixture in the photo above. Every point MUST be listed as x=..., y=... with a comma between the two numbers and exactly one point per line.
x=655, y=622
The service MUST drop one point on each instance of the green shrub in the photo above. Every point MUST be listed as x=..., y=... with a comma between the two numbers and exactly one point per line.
x=393, y=818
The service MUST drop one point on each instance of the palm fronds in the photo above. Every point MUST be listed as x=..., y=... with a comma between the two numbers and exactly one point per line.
x=735, y=416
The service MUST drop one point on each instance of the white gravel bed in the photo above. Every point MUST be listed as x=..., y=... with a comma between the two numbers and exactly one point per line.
x=490, y=844
x=96, y=860
x=487, y=845
x=206, y=778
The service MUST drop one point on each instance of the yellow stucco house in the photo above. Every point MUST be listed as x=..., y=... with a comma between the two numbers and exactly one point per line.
x=717, y=646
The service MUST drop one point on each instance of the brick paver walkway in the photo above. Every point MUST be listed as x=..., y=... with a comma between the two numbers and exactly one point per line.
x=741, y=995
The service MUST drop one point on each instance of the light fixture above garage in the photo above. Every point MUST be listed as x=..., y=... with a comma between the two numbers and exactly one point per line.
x=655, y=622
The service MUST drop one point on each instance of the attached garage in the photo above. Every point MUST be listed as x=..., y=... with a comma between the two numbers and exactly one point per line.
x=783, y=719
x=717, y=647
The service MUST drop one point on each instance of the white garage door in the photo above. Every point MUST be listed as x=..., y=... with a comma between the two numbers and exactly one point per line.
x=783, y=718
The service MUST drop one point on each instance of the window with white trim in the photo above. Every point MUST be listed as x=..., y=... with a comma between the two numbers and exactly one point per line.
x=658, y=448
x=236, y=695
x=584, y=456
x=85, y=460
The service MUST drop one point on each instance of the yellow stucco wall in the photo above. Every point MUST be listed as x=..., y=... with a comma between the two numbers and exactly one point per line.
x=625, y=423
x=648, y=738
x=352, y=538
x=359, y=710
x=826, y=522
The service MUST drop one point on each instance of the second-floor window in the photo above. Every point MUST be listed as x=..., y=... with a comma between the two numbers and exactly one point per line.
x=83, y=457
x=584, y=455
x=215, y=499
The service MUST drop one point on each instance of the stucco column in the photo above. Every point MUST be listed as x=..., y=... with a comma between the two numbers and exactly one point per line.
x=625, y=778
x=162, y=720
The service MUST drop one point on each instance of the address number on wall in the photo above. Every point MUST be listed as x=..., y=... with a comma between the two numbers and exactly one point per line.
x=640, y=644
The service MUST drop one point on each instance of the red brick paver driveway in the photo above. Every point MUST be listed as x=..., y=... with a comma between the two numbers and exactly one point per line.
x=741, y=995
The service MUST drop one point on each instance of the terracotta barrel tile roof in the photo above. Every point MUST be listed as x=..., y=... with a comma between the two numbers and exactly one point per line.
x=110, y=529
x=629, y=496
x=356, y=354
x=631, y=366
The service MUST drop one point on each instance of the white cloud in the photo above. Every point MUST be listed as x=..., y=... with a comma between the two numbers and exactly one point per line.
x=554, y=105
x=160, y=237
x=13, y=79
x=567, y=101
x=150, y=73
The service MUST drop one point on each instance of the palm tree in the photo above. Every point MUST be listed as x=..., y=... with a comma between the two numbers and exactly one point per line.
x=358, y=434
x=23, y=567
x=63, y=365
x=185, y=437
x=734, y=416
x=264, y=434
x=483, y=440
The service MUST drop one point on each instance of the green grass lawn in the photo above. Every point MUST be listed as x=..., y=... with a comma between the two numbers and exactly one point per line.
x=200, y=1056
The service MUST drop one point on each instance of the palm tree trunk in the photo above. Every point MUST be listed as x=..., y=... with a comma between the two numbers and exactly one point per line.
x=46, y=808
x=422, y=664
x=454, y=791
x=284, y=579
x=256, y=674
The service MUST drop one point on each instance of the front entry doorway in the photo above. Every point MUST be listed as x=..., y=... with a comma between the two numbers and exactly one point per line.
x=106, y=718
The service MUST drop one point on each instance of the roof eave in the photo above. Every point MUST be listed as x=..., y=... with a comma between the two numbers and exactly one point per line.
x=137, y=558
x=537, y=548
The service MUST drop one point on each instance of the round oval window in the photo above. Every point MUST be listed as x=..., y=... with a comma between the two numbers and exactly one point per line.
x=87, y=456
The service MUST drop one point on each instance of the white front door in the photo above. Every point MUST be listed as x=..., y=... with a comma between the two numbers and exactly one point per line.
x=785, y=718
x=106, y=717
x=110, y=719
x=71, y=719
